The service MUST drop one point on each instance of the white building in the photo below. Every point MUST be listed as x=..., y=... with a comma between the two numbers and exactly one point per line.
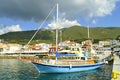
x=68, y=44
x=9, y=48
x=44, y=46
x=104, y=43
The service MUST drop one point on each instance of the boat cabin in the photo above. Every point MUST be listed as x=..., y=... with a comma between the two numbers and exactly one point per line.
x=53, y=49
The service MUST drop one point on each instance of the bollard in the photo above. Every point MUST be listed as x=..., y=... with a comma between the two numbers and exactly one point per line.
x=115, y=74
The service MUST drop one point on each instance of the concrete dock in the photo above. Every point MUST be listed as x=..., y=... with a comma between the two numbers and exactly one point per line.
x=116, y=68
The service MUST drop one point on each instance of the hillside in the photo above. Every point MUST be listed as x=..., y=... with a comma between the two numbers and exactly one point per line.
x=22, y=37
x=76, y=33
x=80, y=33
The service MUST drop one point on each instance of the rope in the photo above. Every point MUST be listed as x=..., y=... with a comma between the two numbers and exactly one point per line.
x=40, y=26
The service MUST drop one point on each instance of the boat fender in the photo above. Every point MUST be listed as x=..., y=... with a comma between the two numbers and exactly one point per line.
x=106, y=62
x=70, y=66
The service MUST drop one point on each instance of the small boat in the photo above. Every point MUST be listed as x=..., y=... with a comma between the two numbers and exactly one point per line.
x=74, y=64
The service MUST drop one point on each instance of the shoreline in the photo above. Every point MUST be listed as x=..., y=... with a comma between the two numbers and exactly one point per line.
x=14, y=56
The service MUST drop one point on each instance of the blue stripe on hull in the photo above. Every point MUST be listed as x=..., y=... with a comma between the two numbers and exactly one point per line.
x=43, y=68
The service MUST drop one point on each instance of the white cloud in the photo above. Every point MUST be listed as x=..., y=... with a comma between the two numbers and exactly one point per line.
x=89, y=8
x=4, y=29
x=94, y=21
x=20, y=9
x=64, y=23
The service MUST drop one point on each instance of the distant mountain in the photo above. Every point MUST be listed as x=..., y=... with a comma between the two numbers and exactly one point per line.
x=75, y=33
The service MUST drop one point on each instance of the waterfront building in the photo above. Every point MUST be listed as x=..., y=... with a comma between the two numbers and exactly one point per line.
x=38, y=48
x=67, y=44
x=9, y=48
x=113, y=42
x=104, y=43
x=44, y=46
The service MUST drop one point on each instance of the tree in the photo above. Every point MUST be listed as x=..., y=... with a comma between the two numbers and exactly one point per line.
x=118, y=37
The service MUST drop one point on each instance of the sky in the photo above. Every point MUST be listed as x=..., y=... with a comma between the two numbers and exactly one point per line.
x=22, y=15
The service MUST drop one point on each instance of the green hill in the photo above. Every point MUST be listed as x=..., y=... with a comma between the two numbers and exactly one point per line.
x=22, y=37
x=76, y=33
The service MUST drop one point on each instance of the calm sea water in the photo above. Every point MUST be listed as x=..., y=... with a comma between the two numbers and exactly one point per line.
x=13, y=69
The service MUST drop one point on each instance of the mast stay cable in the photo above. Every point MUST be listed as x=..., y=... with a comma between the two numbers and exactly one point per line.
x=40, y=25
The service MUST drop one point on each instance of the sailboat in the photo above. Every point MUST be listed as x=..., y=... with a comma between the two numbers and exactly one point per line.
x=65, y=65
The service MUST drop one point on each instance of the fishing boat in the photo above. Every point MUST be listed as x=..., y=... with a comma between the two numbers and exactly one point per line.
x=63, y=65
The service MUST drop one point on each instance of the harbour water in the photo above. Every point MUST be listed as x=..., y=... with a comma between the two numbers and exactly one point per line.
x=14, y=69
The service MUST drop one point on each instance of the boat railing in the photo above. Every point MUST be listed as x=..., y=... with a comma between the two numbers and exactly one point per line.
x=31, y=59
x=74, y=62
x=62, y=61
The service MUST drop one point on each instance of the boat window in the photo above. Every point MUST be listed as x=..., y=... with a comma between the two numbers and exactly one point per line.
x=89, y=58
x=82, y=58
x=78, y=57
x=73, y=49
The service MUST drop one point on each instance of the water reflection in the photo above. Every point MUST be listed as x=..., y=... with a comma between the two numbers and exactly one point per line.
x=12, y=69
x=88, y=75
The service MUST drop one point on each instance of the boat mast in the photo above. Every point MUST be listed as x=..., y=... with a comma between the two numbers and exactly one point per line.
x=57, y=30
x=88, y=33
x=60, y=35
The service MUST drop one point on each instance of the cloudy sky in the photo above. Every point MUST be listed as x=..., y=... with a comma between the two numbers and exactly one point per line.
x=18, y=15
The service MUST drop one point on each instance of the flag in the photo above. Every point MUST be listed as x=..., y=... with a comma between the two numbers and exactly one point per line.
x=57, y=54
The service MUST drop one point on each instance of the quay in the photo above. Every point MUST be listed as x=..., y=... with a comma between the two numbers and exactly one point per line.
x=116, y=68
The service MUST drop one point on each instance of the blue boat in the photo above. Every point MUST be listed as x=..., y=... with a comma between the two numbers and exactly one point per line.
x=76, y=64
x=48, y=68
x=66, y=65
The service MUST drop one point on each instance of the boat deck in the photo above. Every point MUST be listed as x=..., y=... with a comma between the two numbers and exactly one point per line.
x=73, y=62
x=61, y=62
